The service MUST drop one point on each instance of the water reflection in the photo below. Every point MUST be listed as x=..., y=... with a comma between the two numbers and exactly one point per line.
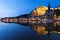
x=44, y=28
x=40, y=27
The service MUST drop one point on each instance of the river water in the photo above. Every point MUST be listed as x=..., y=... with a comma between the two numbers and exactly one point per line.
x=12, y=31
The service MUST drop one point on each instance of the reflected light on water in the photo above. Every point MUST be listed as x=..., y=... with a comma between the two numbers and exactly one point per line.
x=40, y=30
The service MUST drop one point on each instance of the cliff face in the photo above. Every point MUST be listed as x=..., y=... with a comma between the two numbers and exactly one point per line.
x=39, y=11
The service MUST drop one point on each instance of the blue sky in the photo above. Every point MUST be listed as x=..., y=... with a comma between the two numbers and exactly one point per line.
x=19, y=7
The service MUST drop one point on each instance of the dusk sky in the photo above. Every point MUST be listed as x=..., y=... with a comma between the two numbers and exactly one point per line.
x=10, y=8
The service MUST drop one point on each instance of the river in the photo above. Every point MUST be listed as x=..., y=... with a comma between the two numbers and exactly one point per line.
x=12, y=31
